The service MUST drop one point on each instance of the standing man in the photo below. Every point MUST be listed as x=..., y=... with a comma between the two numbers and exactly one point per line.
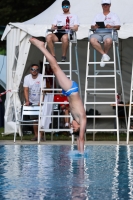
x=110, y=20
x=69, y=89
x=32, y=86
x=61, y=35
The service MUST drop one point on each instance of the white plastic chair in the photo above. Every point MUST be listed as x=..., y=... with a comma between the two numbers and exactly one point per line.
x=27, y=111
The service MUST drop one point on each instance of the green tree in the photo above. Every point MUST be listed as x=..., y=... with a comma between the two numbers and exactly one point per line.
x=20, y=11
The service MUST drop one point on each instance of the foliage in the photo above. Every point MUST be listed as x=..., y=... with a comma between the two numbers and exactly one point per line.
x=63, y=136
x=2, y=51
x=20, y=11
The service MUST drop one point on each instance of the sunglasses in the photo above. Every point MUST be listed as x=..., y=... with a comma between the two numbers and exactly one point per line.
x=65, y=7
x=105, y=4
x=34, y=70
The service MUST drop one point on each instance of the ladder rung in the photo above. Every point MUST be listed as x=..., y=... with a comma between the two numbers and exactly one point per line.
x=101, y=76
x=97, y=71
x=49, y=93
x=51, y=89
x=100, y=103
x=48, y=76
x=60, y=116
x=55, y=102
x=101, y=89
x=88, y=116
x=61, y=63
x=69, y=70
x=100, y=62
x=130, y=130
x=102, y=93
x=53, y=129
x=70, y=41
x=63, y=71
x=101, y=116
x=101, y=130
x=52, y=76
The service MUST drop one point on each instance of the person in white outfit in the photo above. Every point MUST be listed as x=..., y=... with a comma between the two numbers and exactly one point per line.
x=62, y=34
x=111, y=20
x=32, y=89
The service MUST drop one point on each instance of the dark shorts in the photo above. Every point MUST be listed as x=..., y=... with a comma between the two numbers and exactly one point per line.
x=59, y=36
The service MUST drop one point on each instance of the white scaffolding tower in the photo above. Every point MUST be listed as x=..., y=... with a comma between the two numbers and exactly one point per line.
x=95, y=91
x=69, y=70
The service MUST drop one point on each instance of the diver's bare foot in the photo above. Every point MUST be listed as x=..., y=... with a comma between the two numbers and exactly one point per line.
x=36, y=42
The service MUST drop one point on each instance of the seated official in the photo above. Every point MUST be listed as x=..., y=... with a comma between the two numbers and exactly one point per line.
x=111, y=21
x=62, y=34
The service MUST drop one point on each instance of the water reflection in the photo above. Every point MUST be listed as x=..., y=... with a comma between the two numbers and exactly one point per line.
x=49, y=172
x=116, y=174
x=123, y=177
x=79, y=189
x=130, y=170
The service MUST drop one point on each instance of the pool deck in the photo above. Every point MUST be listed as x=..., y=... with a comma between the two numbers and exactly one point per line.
x=26, y=142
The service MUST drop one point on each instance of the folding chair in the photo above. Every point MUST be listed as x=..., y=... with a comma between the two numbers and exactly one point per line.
x=27, y=111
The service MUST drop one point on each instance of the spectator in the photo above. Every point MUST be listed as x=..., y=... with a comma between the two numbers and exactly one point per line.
x=32, y=86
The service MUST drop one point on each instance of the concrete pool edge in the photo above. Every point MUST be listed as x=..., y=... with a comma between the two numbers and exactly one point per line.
x=26, y=142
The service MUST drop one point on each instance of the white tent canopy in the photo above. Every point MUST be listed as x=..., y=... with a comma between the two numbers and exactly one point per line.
x=20, y=54
x=86, y=10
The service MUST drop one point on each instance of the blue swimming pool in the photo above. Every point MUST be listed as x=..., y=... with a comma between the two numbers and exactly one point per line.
x=57, y=172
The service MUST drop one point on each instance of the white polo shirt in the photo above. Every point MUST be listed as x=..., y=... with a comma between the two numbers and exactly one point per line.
x=34, y=86
x=112, y=19
x=60, y=19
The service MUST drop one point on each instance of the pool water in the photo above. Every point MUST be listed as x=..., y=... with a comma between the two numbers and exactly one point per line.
x=60, y=173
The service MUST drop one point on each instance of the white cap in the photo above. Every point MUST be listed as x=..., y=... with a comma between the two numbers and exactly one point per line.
x=106, y=1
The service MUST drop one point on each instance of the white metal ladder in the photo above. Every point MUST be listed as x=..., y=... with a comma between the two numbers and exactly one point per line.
x=130, y=115
x=94, y=91
x=52, y=90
